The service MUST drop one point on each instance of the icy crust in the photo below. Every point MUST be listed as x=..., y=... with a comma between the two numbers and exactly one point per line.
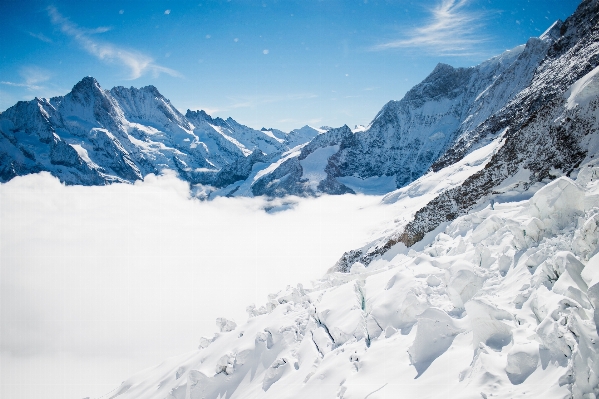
x=499, y=303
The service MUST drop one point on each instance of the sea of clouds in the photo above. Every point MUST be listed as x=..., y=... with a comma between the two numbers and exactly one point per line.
x=97, y=283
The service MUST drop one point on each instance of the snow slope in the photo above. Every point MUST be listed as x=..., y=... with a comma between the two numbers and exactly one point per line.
x=498, y=303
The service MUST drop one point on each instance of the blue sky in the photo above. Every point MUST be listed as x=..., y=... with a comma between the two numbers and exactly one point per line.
x=270, y=63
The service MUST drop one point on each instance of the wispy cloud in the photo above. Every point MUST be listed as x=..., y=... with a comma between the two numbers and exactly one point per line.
x=40, y=36
x=14, y=84
x=32, y=77
x=137, y=62
x=451, y=30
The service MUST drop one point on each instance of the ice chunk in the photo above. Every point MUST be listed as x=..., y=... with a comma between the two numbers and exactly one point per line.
x=590, y=273
x=486, y=327
x=274, y=373
x=433, y=280
x=225, y=325
x=226, y=364
x=204, y=342
x=435, y=334
x=562, y=197
x=586, y=239
x=569, y=283
x=463, y=286
x=196, y=383
x=486, y=228
x=522, y=361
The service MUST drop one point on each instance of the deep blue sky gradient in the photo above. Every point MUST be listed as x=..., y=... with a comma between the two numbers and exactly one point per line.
x=324, y=62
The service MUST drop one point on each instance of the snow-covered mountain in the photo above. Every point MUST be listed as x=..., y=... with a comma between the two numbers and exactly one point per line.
x=491, y=289
x=547, y=130
x=94, y=136
x=483, y=283
x=408, y=136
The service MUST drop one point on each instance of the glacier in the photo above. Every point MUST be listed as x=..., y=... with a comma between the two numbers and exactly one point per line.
x=498, y=303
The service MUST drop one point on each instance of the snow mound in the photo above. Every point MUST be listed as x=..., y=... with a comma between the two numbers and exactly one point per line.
x=585, y=90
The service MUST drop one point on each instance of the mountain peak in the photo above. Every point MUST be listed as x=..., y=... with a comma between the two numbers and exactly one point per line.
x=152, y=90
x=87, y=83
x=442, y=67
x=199, y=115
x=553, y=32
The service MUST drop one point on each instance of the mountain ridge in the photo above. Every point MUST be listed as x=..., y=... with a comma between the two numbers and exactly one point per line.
x=148, y=134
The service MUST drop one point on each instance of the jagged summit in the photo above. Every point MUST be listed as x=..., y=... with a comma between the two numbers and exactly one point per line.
x=151, y=89
x=87, y=83
x=441, y=67
x=199, y=114
x=86, y=88
x=553, y=32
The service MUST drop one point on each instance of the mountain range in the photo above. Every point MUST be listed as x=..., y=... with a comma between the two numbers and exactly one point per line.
x=485, y=282
x=93, y=136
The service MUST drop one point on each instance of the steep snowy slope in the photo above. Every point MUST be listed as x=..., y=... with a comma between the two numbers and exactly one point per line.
x=408, y=136
x=498, y=303
x=545, y=132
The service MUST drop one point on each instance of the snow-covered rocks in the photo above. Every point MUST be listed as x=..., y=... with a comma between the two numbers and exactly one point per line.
x=449, y=115
x=225, y=325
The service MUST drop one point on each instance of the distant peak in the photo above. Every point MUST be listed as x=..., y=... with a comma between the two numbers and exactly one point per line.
x=200, y=114
x=152, y=90
x=86, y=83
x=441, y=67
x=553, y=32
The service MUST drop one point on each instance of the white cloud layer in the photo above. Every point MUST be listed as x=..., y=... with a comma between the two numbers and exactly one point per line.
x=98, y=282
x=451, y=30
x=137, y=62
